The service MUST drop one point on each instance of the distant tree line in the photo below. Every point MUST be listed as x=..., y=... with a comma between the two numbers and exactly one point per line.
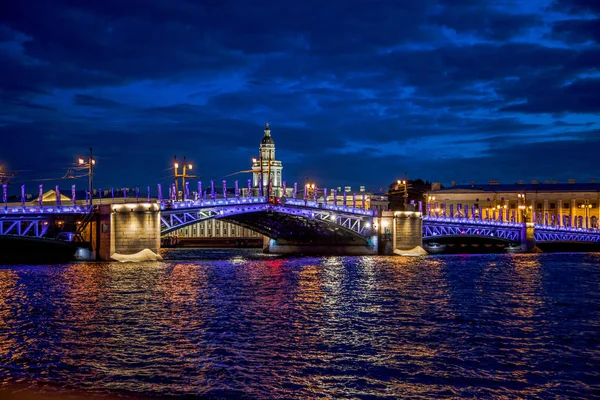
x=412, y=189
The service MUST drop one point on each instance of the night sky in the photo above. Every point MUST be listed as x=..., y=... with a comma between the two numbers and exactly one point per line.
x=356, y=92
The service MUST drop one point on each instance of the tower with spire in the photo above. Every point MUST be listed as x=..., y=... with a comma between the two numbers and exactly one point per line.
x=268, y=167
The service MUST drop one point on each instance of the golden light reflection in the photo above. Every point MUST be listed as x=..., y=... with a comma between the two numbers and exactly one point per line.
x=527, y=292
x=9, y=292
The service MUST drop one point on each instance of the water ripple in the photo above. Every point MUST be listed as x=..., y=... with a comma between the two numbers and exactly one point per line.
x=237, y=324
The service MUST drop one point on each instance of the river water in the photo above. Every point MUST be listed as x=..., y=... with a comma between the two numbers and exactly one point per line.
x=239, y=324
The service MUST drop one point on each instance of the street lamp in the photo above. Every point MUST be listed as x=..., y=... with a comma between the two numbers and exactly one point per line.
x=186, y=167
x=404, y=185
x=89, y=163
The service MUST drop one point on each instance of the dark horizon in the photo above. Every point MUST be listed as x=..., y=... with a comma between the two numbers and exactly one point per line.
x=357, y=93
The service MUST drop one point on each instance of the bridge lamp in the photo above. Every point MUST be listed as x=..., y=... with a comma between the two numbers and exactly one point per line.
x=333, y=217
x=81, y=161
x=176, y=165
x=367, y=225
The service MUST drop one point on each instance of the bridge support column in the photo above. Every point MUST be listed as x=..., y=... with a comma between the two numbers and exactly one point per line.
x=408, y=233
x=528, y=238
x=127, y=229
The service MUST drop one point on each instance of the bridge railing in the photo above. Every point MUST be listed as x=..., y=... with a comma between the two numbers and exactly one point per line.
x=20, y=210
x=565, y=229
x=331, y=207
x=470, y=221
x=166, y=205
x=491, y=222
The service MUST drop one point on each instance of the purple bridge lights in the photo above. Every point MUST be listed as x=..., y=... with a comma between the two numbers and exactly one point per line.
x=318, y=220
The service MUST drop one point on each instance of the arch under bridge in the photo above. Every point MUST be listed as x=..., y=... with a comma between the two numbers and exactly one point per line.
x=291, y=224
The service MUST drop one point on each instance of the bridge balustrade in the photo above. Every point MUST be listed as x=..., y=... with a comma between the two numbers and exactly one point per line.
x=12, y=210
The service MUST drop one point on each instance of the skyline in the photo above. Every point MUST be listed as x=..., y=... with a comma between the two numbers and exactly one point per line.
x=355, y=94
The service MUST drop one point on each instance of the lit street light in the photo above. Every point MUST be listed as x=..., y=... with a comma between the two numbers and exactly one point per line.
x=183, y=175
x=89, y=164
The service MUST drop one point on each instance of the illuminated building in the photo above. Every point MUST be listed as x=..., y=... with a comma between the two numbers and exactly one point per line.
x=561, y=204
x=268, y=167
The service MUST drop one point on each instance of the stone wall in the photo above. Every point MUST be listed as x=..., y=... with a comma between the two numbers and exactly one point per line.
x=128, y=229
x=408, y=230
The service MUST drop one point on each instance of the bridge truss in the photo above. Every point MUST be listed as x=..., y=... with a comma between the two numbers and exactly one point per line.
x=442, y=226
x=288, y=218
x=544, y=233
x=35, y=221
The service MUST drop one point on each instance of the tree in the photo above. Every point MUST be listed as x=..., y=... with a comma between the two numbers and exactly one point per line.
x=411, y=190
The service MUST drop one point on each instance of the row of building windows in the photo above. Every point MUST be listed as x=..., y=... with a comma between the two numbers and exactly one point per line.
x=552, y=206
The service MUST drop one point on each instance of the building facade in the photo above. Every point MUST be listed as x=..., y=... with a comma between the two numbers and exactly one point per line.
x=571, y=204
x=267, y=167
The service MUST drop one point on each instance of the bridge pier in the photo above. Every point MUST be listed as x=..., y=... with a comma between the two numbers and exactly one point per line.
x=407, y=232
x=126, y=229
x=528, y=238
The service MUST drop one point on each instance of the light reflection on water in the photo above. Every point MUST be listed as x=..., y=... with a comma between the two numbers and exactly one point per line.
x=230, y=324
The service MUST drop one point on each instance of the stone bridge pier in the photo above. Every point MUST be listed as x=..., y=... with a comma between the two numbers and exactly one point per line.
x=400, y=232
x=127, y=229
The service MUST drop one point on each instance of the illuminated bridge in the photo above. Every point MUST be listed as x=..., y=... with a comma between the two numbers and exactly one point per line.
x=516, y=235
x=292, y=225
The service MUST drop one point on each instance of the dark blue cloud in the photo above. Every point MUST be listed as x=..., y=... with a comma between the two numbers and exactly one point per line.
x=356, y=92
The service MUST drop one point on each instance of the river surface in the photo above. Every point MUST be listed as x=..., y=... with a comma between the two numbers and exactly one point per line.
x=239, y=324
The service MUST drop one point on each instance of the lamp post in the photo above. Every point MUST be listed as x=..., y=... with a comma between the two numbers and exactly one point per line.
x=186, y=166
x=259, y=180
x=89, y=163
x=404, y=185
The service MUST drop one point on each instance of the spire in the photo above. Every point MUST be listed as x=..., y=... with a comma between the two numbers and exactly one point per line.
x=267, y=130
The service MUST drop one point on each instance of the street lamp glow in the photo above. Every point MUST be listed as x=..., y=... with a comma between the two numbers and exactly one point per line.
x=189, y=166
x=176, y=165
x=81, y=161
x=254, y=160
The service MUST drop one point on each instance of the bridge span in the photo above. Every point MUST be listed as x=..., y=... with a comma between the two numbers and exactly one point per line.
x=289, y=225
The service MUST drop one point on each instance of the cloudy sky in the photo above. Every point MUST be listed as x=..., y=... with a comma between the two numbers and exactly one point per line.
x=356, y=92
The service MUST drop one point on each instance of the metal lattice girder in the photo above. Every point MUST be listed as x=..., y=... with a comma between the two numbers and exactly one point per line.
x=469, y=221
x=25, y=220
x=567, y=235
x=36, y=227
x=182, y=214
x=359, y=223
x=441, y=226
x=174, y=219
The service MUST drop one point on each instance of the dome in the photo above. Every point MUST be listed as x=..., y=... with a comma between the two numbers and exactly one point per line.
x=267, y=139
